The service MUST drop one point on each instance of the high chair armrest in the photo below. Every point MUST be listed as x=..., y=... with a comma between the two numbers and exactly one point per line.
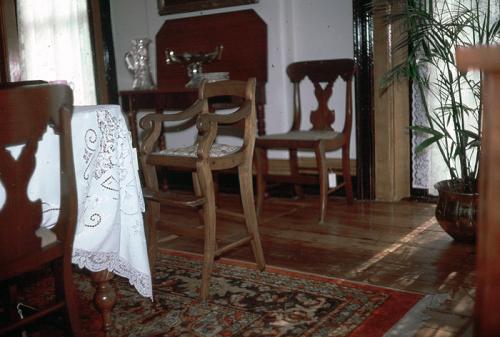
x=241, y=113
x=147, y=121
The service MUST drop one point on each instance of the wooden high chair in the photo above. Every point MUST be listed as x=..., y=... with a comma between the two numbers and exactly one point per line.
x=202, y=158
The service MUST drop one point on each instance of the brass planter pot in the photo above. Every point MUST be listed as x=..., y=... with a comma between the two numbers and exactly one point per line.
x=456, y=210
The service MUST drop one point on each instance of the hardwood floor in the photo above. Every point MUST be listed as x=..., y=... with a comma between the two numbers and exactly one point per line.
x=396, y=245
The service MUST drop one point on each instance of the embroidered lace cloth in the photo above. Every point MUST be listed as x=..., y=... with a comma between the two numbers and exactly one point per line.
x=109, y=232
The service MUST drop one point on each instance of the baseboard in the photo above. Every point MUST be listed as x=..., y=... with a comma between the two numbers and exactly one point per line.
x=281, y=166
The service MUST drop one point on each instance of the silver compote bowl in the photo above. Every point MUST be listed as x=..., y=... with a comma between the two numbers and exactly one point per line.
x=194, y=63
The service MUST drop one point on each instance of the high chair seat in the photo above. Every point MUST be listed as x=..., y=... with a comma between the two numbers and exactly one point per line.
x=216, y=151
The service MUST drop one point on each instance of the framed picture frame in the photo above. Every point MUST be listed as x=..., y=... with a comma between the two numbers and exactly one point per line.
x=167, y=7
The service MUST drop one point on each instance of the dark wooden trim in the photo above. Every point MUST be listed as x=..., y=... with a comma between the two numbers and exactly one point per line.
x=166, y=7
x=9, y=46
x=3, y=47
x=103, y=52
x=364, y=87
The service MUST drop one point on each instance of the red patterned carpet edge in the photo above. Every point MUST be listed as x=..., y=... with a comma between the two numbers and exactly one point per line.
x=243, y=302
x=380, y=320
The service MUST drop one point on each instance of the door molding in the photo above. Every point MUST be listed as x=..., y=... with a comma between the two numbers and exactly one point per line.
x=364, y=88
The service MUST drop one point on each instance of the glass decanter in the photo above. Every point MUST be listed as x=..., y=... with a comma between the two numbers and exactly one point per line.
x=137, y=61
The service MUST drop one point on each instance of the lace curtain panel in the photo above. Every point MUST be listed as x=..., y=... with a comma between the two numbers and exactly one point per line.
x=54, y=45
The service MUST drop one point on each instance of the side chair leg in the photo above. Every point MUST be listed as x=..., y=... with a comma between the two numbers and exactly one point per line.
x=323, y=180
x=294, y=170
x=10, y=296
x=152, y=217
x=71, y=297
x=65, y=291
x=346, y=171
x=246, y=192
x=209, y=218
x=153, y=210
x=261, y=170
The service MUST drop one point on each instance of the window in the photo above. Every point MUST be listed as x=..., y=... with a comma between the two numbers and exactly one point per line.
x=54, y=44
x=67, y=40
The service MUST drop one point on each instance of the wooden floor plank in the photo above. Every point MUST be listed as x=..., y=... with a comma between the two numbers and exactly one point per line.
x=397, y=245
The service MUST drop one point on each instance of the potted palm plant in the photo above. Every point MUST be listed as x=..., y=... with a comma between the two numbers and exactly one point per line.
x=451, y=100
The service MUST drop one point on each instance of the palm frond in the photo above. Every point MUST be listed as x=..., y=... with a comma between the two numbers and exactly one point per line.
x=434, y=28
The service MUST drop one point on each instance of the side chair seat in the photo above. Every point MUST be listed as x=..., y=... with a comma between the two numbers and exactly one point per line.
x=46, y=236
x=289, y=139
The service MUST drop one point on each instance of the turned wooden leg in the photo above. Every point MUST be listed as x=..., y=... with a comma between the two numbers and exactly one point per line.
x=104, y=298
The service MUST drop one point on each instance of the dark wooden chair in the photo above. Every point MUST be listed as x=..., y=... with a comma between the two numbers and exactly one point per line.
x=6, y=85
x=321, y=138
x=26, y=112
x=203, y=158
x=486, y=316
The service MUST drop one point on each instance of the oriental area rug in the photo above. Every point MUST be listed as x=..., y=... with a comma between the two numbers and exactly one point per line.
x=245, y=302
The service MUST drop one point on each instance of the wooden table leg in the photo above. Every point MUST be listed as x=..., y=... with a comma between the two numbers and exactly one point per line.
x=104, y=298
x=132, y=122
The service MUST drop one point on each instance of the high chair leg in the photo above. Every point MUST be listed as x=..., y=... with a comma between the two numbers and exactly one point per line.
x=246, y=191
x=209, y=218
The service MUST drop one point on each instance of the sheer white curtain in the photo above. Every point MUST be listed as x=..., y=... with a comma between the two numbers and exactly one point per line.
x=54, y=43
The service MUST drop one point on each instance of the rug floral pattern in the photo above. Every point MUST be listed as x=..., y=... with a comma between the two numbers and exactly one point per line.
x=244, y=302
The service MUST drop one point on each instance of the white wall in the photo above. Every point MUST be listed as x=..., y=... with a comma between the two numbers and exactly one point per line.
x=297, y=30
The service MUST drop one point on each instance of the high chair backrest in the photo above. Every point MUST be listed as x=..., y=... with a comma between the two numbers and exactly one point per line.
x=241, y=93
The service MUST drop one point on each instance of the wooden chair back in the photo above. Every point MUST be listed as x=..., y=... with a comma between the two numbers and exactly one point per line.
x=321, y=138
x=240, y=123
x=26, y=112
x=323, y=74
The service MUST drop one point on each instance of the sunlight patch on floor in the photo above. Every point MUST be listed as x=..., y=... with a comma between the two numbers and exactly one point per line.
x=392, y=248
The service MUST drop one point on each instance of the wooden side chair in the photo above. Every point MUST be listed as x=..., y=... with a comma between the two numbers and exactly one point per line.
x=203, y=158
x=26, y=112
x=321, y=138
x=6, y=85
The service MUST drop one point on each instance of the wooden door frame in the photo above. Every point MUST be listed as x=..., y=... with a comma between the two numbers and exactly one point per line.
x=364, y=88
x=9, y=44
x=101, y=37
x=382, y=118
